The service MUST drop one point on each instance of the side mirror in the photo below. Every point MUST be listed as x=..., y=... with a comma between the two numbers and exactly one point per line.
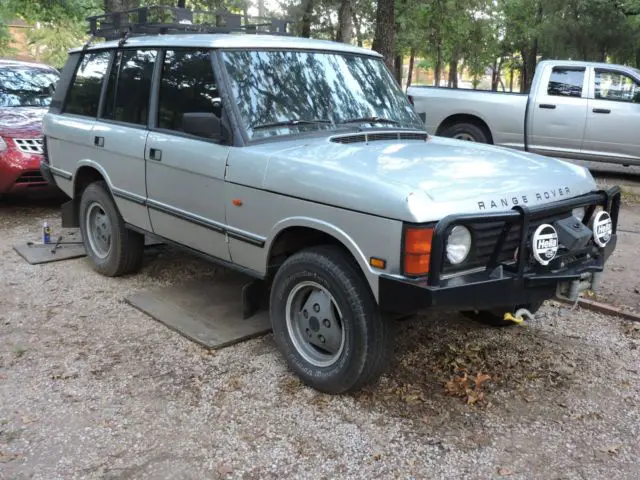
x=207, y=125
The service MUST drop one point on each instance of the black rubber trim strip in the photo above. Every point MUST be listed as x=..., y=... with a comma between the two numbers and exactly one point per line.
x=247, y=238
x=60, y=173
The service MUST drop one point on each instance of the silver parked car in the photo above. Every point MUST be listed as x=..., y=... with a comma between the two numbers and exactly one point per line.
x=575, y=110
x=301, y=163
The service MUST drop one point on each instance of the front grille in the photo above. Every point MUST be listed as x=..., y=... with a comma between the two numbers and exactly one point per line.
x=29, y=145
x=31, y=177
x=485, y=237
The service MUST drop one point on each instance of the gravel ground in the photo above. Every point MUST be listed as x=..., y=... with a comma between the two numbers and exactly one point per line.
x=92, y=388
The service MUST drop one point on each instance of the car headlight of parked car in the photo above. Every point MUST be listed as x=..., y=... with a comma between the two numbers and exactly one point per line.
x=3, y=145
x=458, y=244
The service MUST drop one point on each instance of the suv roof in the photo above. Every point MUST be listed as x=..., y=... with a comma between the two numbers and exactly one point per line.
x=232, y=40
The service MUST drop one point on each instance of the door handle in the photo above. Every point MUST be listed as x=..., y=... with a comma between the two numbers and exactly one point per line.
x=601, y=110
x=98, y=141
x=547, y=106
x=155, y=154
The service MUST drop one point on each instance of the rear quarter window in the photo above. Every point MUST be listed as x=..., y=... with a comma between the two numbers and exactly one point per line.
x=84, y=95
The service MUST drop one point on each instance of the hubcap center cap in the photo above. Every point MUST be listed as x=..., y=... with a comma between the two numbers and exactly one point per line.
x=314, y=324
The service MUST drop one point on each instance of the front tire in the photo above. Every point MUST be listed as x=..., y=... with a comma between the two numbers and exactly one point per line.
x=326, y=322
x=112, y=249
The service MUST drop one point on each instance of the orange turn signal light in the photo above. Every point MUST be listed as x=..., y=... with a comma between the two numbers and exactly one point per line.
x=417, y=251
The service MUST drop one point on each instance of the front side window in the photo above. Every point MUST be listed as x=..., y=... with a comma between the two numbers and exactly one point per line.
x=26, y=86
x=566, y=82
x=284, y=92
x=127, y=97
x=84, y=95
x=187, y=85
x=616, y=86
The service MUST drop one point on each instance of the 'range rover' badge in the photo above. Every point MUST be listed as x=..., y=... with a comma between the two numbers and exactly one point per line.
x=602, y=228
x=545, y=243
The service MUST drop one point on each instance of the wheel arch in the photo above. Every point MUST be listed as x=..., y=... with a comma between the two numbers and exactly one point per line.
x=293, y=234
x=465, y=118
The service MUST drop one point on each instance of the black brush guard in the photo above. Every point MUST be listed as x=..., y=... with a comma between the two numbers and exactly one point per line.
x=500, y=284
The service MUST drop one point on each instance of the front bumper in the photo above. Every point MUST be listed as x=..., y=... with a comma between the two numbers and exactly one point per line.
x=499, y=284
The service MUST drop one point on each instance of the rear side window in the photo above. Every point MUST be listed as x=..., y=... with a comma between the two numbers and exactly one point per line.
x=127, y=97
x=566, y=82
x=187, y=85
x=84, y=94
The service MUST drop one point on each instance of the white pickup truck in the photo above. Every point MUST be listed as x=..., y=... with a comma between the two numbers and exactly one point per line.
x=575, y=110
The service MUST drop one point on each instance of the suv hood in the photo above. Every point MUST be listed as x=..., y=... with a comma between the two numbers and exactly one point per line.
x=17, y=121
x=435, y=178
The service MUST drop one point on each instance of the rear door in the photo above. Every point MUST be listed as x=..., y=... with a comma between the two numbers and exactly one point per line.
x=613, y=118
x=185, y=173
x=559, y=112
x=120, y=134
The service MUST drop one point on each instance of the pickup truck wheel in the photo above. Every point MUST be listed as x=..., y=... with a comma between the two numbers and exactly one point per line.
x=113, y=249
x=466, y=131
x=495, y=317
x=326, y=322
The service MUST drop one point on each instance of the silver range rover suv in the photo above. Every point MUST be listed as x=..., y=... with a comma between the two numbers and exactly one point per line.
x=302, y=164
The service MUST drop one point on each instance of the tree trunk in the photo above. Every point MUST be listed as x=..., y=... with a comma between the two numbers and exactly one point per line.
x=512, y=73
x=345, y=22
x=529, y=60
x=356, y=23
x=412, y=59
x=453, y=73
x=398, y=68
x=306, y=19
x=261, y=9
x=181, y=3
x=438, y=70
x=384, y=41
x=120, y=5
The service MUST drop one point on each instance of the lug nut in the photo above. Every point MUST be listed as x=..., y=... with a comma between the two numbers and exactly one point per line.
x=316, y=307
x=326, y=323
x=305, y=314
x=321, y=338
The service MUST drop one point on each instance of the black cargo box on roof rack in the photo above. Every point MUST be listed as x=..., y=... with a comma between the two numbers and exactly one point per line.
x=157, y=20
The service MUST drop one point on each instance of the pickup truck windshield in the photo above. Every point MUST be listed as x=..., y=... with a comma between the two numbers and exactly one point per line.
x=288, y=91
x=26, y=86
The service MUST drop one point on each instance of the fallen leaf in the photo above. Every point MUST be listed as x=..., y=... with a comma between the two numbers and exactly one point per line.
x=26, y=420
x=377, y=456
x=504, y=471
x=480, y=379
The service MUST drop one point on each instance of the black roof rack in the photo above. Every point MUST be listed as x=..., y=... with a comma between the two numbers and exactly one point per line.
x=155, y=20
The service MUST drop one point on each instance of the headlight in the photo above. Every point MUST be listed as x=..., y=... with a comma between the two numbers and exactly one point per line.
x=579, y=213
x=458, y=244
x=3, y=145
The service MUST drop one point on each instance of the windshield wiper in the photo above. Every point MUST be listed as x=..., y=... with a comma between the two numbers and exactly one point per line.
x=373, y=119
x=288, y=123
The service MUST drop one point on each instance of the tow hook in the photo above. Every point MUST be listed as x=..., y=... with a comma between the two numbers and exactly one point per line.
x=519, y=316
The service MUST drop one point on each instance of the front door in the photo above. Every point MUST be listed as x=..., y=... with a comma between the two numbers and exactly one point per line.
x=185, y=173
x=559, y=113
x=613, y=118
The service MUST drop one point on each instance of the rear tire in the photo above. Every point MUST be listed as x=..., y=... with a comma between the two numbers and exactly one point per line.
x=466, y=131
x=495, y=316
x=112, y=249
x=326, y=322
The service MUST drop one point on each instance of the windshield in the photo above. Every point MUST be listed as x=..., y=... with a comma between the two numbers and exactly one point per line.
x=285, y=92
x=26, y=86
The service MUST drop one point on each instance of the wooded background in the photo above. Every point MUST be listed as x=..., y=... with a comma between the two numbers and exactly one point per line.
x=501, y=39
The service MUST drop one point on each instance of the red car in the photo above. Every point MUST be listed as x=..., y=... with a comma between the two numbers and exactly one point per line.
x=25, y=94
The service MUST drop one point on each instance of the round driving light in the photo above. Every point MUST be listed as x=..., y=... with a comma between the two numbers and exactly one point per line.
x=458, y=244
x=602, y=228
x=579, y=213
